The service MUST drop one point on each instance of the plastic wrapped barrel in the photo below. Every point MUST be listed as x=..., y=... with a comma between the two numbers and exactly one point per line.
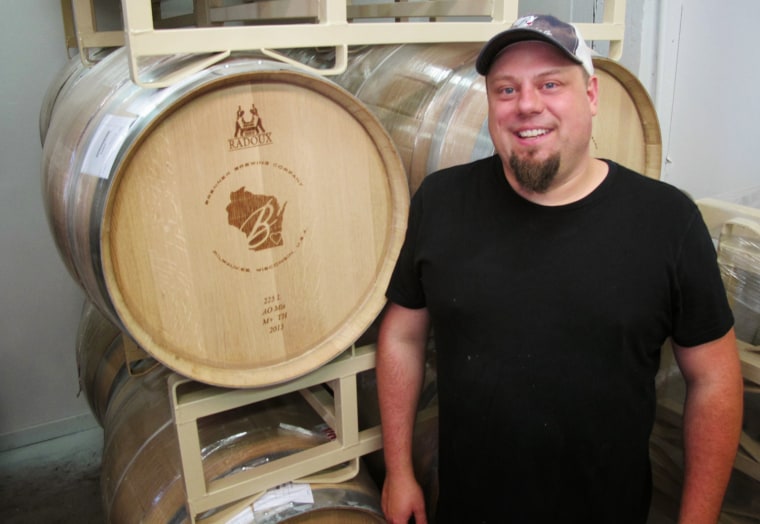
x=64, y=81
x=142, y=478
x=240, y=225
x=433, y=103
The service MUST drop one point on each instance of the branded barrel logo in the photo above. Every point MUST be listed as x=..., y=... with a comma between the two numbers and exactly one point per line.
x=249, y=130
x=259, y=217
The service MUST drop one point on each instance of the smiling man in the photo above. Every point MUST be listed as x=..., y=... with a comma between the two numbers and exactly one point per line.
x=551, y=280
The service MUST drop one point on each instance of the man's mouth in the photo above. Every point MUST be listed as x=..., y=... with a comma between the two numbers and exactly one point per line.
x=532, y=133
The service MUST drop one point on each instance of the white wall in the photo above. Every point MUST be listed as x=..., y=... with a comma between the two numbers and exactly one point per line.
x=707, y=97
x=39, y=303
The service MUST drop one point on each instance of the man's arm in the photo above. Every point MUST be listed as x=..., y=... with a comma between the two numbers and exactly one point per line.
x=712, y=424
x=400, y=373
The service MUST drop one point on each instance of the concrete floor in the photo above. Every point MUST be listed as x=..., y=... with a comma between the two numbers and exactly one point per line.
x=55, y=482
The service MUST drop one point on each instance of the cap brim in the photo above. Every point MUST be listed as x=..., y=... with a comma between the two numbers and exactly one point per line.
x=499, y=42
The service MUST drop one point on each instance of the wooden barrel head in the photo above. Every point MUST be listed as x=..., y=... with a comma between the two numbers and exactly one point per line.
x=251, y=228
x=626, y=128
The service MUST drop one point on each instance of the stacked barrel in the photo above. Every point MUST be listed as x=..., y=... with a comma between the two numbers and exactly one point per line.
x=240, y=227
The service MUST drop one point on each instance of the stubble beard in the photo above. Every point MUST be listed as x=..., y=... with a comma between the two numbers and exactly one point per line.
x=533, y=175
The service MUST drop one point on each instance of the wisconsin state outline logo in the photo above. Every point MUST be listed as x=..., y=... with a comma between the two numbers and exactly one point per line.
x=259, y=217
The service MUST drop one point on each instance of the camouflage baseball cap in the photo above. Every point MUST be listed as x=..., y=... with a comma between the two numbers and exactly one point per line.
x=545, y=28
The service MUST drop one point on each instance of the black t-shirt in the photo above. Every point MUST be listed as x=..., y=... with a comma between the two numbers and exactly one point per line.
x=548, y=324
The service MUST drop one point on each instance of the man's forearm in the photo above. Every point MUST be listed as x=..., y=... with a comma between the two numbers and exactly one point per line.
x=400, y=370
x=399, y=383
x=712, y=425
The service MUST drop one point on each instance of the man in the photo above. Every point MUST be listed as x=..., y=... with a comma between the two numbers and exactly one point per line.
x=550, y=280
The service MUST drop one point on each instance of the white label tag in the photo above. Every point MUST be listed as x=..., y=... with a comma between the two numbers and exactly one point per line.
x=284, y=494
x=105, y=145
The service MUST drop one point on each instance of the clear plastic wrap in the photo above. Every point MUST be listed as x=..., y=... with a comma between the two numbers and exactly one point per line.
x=739, y=260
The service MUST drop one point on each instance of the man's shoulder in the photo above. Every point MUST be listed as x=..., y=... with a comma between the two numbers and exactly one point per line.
x=634, y=183
x=651, y=199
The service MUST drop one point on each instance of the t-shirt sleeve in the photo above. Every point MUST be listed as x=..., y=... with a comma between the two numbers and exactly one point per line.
x=405, y=287
x=701, y=310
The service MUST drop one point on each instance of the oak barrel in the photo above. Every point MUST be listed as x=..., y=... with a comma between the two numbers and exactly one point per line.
x=104, y=361
x=142, y=478
x=240, y=225
x=626, y=128
x=101, y=362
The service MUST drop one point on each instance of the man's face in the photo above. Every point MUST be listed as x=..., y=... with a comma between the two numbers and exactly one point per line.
x=540, y=110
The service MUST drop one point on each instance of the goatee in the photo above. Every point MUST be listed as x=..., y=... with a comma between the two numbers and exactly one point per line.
x=534, y=175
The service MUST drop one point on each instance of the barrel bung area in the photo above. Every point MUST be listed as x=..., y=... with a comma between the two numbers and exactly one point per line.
x=233, y=220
